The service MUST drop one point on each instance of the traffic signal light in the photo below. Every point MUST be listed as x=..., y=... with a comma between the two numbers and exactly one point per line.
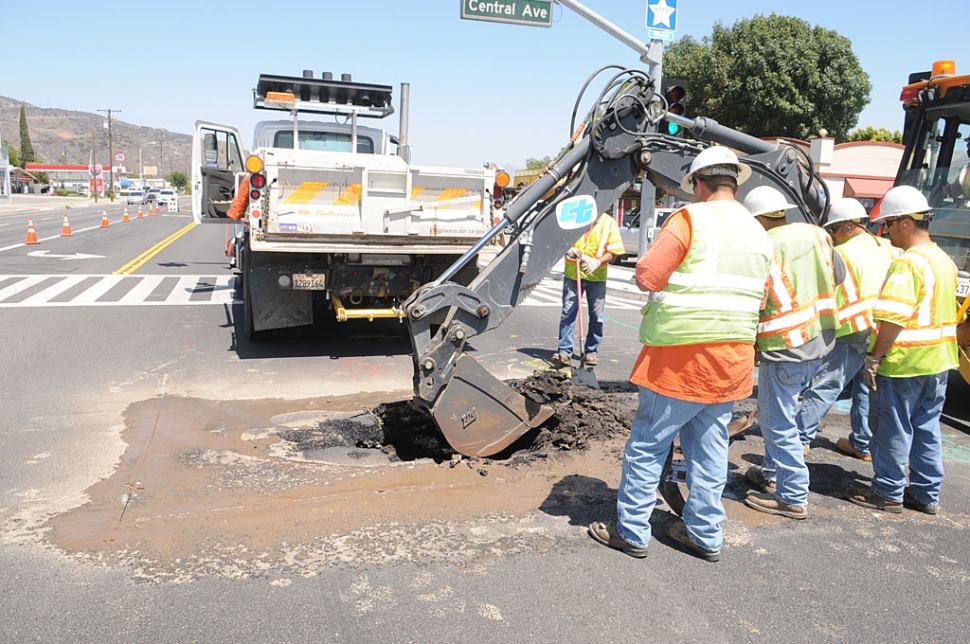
x=675, y=93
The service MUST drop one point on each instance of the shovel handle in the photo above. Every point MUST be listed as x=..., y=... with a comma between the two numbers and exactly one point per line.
x=579, y=308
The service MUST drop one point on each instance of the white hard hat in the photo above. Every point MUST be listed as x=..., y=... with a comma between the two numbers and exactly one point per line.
x=903, y=201
x=847, y=209
x=714, y=161
x=765, y=200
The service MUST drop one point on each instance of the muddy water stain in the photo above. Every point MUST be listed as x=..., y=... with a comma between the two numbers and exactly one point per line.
x=202, y=475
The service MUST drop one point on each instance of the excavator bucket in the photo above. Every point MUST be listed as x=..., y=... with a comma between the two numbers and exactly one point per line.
x=479, y=415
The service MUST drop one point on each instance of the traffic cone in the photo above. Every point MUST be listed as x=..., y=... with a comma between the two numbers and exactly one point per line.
x=158, y=209
x=31, y=233
x=66, y=228
x=125, y=218
x=104, y=219
x=140, y=216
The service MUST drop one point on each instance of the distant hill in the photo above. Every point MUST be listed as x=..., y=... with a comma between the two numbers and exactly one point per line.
x=66, y=137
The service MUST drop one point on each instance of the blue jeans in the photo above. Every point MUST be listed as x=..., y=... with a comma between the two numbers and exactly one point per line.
x=595, y=293
x=905, y=417
x=779, y=384
x=842, y=364
x=704, y=441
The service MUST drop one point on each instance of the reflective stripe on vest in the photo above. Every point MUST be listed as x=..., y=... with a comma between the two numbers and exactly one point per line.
x=801, y=301
x=867, y=258
x=919, y=296
x=593, y=243
x=716, y=292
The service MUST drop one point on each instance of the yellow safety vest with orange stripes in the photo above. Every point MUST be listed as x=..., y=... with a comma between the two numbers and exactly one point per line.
x=867, y=259
x=918, y=296
x=604, y=235
x=801, y=298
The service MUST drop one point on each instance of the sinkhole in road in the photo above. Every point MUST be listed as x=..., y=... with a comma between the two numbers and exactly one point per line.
x=404, y=432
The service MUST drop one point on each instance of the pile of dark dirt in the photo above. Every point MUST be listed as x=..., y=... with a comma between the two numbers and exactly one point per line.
x=408, y=432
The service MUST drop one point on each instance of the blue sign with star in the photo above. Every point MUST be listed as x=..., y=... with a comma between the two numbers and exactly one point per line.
x=662, y=14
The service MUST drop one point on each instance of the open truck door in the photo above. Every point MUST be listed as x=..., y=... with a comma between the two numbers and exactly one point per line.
x=217, y=156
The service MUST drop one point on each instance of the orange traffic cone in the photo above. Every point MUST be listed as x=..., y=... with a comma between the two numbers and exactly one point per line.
x=31, y=233
x=104, y=219
x=66, y=228
x=140, y=216
x=125, y=218
x=158, y=209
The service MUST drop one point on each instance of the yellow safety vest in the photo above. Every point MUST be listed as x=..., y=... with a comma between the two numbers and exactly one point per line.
x=918, y=296
x=801, y=301
x=601, y=237
x=716, y=292
x=867, y=259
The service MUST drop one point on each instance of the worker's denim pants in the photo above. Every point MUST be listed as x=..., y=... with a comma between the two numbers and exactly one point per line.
x=595, y=294
x=905, y=419
x=779, y=384
x=842, y=364
x=704, y=442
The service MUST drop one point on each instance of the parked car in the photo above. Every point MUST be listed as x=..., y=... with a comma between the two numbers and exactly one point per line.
x=164, y=195
x=630, y=230
x=152, y=195
x=136, y=197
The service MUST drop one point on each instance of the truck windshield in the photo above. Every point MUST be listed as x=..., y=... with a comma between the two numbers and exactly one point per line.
x=944, y=149
x=324, y=141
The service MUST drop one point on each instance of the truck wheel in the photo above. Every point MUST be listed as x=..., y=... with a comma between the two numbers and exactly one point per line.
x=673, y=480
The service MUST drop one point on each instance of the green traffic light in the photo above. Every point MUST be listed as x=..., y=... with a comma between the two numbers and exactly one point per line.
x=672, y=128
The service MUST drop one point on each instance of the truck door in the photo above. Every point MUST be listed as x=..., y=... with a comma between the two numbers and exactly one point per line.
x=216, y=158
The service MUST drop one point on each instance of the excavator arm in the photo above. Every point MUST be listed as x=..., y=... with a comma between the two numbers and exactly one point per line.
x=478, y=414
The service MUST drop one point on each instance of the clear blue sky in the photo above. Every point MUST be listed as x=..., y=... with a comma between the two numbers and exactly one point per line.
x=480, y=91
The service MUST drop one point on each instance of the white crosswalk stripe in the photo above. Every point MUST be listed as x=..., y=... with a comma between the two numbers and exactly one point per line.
x=115, y=290
x=549, y=293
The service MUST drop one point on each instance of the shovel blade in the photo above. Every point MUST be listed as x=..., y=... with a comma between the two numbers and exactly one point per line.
x=479, y=415
x=584, y=377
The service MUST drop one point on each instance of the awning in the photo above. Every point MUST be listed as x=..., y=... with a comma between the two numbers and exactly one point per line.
x=871, y=188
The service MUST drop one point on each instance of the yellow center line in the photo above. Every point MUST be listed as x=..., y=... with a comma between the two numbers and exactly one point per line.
x=139, y=261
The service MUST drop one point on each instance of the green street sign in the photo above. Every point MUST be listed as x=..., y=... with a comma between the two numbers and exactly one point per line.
x=533, y=13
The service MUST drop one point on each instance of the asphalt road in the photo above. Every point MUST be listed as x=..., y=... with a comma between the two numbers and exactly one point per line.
x=412, y=554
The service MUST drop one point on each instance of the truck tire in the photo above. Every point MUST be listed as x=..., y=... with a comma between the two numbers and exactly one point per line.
x=673, y=480
x=251, y=333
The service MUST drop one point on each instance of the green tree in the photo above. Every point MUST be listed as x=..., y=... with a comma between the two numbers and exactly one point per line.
x=537, y=164
x=870, y=133
x=772, y=76
x=26, y=149
x=14, y=155
x=177, y=179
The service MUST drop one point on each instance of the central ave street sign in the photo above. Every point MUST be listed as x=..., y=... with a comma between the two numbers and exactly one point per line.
x=534, y=13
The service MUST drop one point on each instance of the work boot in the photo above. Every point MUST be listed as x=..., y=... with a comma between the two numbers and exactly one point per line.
x=591, y=360
x=844, y=446
x=911, y=502
x=869, y=499
x=559, y=360
x=678, y=532
x=768, y=504
x=757, y=478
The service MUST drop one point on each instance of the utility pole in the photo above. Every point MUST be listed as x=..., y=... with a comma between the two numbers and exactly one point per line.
x=161, y=167
x=111, y=157
x=94, y=160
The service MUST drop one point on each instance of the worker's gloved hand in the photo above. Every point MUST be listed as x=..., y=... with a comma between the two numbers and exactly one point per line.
x=574, y=254
x=869, y=371
x=589, y=264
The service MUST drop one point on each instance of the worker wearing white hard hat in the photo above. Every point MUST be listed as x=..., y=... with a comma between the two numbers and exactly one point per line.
x=705, y=274
x=715, y=161
x=796, y=330
x=907, y=364
x=867, y=259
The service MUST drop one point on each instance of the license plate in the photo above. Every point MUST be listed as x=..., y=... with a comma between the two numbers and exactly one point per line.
x=963, y=289
x=303, y=282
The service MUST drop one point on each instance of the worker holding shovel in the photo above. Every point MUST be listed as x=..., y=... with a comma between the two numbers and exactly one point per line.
x=592, y=254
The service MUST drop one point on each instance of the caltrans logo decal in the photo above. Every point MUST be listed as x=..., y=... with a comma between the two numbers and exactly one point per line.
x=576, y=212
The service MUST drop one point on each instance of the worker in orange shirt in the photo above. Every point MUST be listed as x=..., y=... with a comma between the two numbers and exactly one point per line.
x=706, y=273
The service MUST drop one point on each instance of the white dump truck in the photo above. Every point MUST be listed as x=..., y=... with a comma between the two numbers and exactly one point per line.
x=330, y=217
